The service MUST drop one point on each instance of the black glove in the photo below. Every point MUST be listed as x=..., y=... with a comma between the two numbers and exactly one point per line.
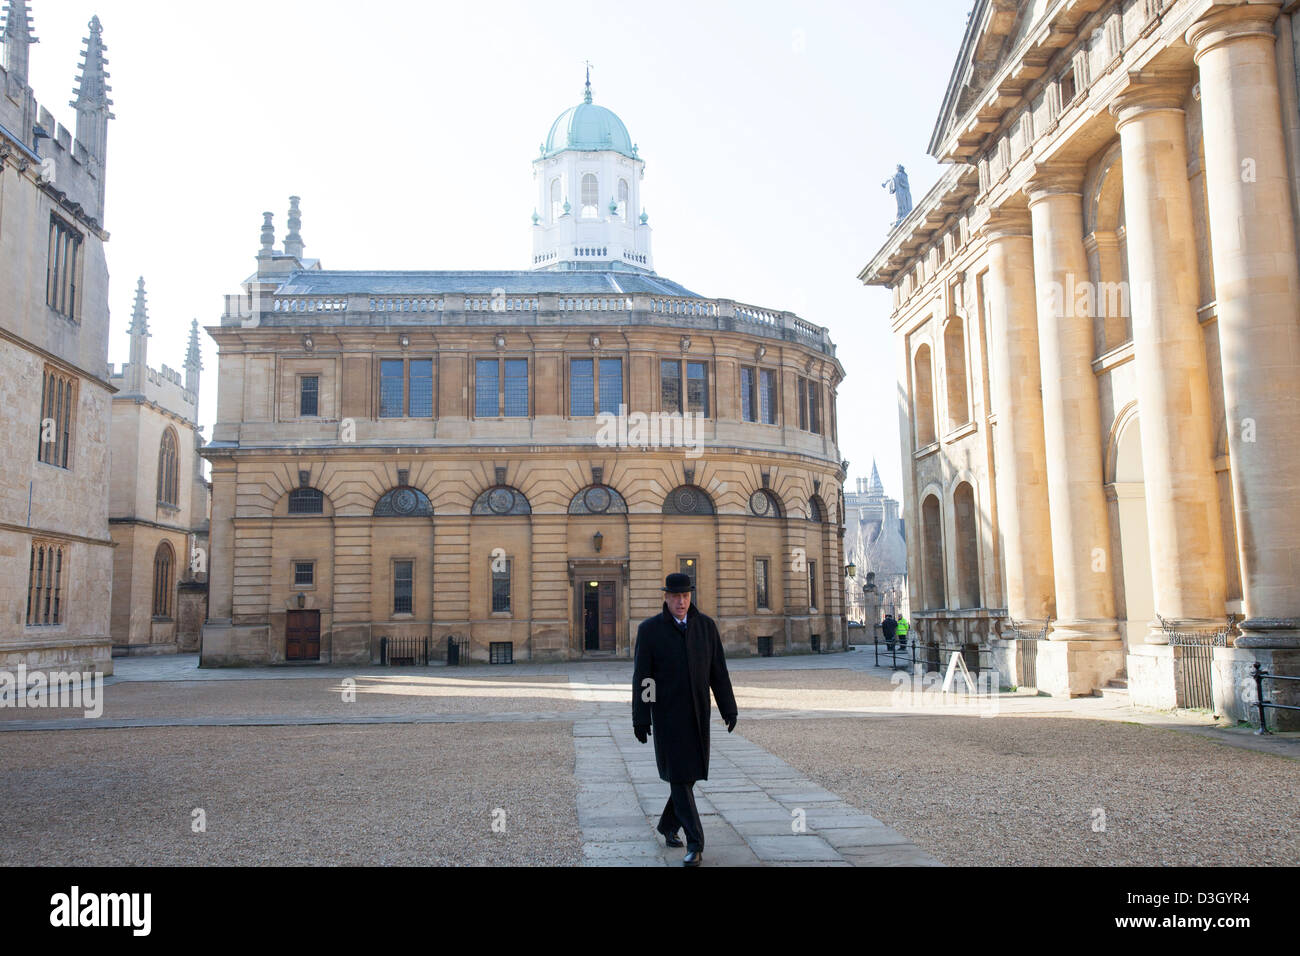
x=731, y=723
x=641, y=731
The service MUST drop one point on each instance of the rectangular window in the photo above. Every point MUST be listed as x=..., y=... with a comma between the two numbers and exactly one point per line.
x=697, y=387
x=814, y=407
x=403, y=587
x=582, y=387
x=760, y=583
x=309, y=395
x=420, y=390
x=748, y=394
x=611, y=385
x=61, y=268
x=767, y=378
x=803, y=403
x=670, y=385
x=516, y=388
x=390, y=388
x=304, y=574
x=487, y=394
x=501, y=588
x=812, y=584
x=54, y=434
x=688, y=567
x=45, y=585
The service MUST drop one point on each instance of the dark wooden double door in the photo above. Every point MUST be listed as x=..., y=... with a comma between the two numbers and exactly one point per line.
x=599, y=615
x=302, y=636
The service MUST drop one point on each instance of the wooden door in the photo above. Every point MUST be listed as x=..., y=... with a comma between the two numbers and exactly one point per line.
x=302, y=636
x=608, y=614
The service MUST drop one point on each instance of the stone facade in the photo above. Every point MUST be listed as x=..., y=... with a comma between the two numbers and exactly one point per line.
x=1096, y=316
x=876, y=546
x=55, y=549
x=426, y=456
x=158, y=500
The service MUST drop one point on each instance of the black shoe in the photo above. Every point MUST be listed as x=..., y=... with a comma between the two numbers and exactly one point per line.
x=693, y=858
x=672, y=839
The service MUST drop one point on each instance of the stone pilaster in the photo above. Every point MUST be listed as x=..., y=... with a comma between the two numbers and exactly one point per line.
x=1182, y=498
x=1021, y=472
x=1258, y=290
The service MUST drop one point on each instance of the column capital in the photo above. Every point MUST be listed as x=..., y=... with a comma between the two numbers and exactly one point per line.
x=1006, y=222
x=1055, y=179
x=1227, y=23
x=1149, y=91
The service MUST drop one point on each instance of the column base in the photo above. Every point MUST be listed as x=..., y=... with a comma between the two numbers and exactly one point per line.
x=1085, y=629
x=1078, y=668
x=1269, y=632
x=1156, y=632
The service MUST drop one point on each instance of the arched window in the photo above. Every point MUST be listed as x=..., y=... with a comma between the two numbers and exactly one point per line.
x=164, y=563
x=167, y=469
x=556, y=211
x=923, y=397
x=306, y=501
x=764, y=504
x=501, y=500
x=404, y=503
x=688, y=500
x=954, y=354
x=590, y=196
x=816, y=512
x=932, y=589
x=624, y=196
x=966, y=545
x=597, y=500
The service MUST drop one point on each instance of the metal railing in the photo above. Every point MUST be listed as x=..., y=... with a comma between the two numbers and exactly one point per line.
x=1194, y=665
x=395, y=651
x=1260, y=675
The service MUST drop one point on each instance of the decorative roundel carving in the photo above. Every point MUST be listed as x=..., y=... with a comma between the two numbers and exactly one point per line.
x=501, y=500
x=404, y=501
x=596, y=499
x=759, y=503
x=685, y=500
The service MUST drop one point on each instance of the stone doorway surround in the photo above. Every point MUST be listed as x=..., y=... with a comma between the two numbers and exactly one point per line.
x=612, y=570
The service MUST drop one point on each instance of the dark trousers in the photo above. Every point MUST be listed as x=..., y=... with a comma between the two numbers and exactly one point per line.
x=680, y=812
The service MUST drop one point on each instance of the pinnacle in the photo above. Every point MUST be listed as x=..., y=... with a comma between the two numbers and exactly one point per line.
x=18, y=22
x=93, y=87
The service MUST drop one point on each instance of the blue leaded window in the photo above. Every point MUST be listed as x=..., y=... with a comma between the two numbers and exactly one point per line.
x=390, y=388
x=582, y=387
x=611, y=385
x=516, y=388
x=697, y=387
x=421, y=389
x=487, y=391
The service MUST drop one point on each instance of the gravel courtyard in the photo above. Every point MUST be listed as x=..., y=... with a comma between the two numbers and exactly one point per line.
x=1045, y=782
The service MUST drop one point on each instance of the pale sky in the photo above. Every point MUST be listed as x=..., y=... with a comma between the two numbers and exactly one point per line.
x=409, y=129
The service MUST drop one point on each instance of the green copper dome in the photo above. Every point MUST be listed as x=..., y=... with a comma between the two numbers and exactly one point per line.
x=588, y=127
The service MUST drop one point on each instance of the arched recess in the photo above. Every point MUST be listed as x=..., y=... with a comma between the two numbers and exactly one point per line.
x=404, y=502
x=501, y=500
x=1105, y=239
x=966, y=545
x=954, y=360
x=816, y=509
x=1129, y=487
x=688, y=500
x=597, y=500
x=164, y=580
x=923, y=396
x=304, y=502
x=932, y=563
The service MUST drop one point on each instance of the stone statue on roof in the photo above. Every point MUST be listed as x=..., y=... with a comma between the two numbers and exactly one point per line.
x=902, y=193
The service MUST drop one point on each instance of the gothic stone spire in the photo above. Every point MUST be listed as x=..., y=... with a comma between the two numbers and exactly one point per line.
x=92, y=102
x=18, y=39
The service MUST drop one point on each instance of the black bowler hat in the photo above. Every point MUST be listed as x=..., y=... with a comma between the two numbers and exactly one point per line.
x=677, y=583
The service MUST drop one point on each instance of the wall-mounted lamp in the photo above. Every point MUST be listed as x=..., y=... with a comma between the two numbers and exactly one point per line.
x=851, y=569
x=302, y=600
x=597, y=540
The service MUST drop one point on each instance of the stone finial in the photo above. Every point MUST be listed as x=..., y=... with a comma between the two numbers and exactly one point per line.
x=18, y=39
x=293, y=240
x=268, y=235
x=586, y=96
x=193, y=359
x=140, y=313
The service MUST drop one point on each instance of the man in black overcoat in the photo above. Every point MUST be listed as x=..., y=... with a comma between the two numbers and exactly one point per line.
x=678, y=659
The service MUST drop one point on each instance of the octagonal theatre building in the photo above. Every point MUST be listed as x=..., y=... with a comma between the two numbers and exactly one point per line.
x=513, y=460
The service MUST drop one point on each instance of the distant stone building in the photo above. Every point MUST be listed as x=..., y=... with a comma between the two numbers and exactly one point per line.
x=1097, y=313
x=875, y=542
x=55, y=549
x=516, y=459
x=158, y=501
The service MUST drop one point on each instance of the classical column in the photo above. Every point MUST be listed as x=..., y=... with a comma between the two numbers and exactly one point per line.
x=1182, y=498
x=1085, y=601
x=1258, y=291
x=1021, y=472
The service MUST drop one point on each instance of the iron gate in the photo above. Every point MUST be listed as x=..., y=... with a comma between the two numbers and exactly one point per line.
x=1194, y=663
x=1027, y=644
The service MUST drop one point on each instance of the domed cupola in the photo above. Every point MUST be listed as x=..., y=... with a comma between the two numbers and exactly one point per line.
x=589, y=214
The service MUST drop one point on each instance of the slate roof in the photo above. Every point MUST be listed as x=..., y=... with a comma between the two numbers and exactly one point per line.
x=512, y=282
